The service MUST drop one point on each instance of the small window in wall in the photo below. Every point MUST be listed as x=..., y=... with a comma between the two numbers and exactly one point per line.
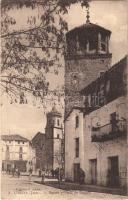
x=77, y=147
x=21, y=149
x=18, y=142
x=101, y=73
x=58, y=122
x=7, y=148
x=95, y=102
x=77, y=121
x=113, y=117
x=58, y=136
x=114, y=122
x=20, y=153
x=20, y=156
x=7, y=153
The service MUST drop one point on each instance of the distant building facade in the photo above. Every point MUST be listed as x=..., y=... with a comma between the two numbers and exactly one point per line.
x=17, y=152
x=54, y=140
x=96, y=135
x=38, y=142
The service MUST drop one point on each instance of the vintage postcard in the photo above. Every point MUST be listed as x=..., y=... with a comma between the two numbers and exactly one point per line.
x=63, y=99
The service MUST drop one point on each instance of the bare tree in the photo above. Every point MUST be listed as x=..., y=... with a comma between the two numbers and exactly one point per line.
x=29, y=54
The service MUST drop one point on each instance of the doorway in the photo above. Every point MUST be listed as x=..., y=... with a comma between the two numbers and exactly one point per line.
x=76, y=172
x=93, y=171
x=8, y=167
x=113, y=171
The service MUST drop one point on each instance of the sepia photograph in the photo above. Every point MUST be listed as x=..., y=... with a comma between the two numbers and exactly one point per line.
x=63, y=100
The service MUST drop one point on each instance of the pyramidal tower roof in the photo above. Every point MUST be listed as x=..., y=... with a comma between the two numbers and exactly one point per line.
x=54, y=112
x=89, y=27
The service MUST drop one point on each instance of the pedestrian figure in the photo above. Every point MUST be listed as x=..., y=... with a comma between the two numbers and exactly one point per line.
x=81, y=176
x=18, y=173
x=57, y=173
x=53, y=173
x=43, y=176
x=30, y=173
x=61, y=174
x=109, y=178
x=9, y=171
x=39, y=172
x=13, y=172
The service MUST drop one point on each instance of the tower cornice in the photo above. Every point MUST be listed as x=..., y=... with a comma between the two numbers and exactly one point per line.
x=87, y=56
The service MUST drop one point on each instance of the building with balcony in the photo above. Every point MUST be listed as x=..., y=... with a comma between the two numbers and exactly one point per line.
x=99, y=144
x=106, y=127
x=109, y=131
x=17, y=151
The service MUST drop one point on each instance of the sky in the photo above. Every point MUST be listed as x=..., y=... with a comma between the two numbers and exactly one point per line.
x=27, y=120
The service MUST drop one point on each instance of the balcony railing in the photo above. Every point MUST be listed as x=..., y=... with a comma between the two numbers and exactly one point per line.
x=109, y=131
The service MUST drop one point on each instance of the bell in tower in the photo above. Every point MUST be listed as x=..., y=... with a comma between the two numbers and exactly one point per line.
x=86, y=57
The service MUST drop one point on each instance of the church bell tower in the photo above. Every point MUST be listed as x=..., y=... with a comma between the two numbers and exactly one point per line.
x=54, y=137
x=87, y=56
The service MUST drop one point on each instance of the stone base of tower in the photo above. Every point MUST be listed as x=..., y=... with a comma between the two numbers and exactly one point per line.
x=79, y=72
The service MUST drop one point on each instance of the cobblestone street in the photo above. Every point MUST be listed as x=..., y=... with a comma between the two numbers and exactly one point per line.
x=24, y=189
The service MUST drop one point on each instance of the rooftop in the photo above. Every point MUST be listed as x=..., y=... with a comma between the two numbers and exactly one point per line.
x=81, y=109
x=14, y=138
x=38, y=135
x=90, y=27
x=54, y=111
x=118, y=65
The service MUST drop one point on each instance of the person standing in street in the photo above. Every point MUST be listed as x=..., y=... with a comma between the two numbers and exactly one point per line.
x=81, y=176
x=39, y=172
x=43, y=176
x=30, y=173
x=13, y=170
x=18, y=173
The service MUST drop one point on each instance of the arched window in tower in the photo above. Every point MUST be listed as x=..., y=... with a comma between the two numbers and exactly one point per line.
x=21, y=149
x=102, y=47
x=77, y=121
x=92, y=45
x=53, y=122
x=103, y=43
x=58, y=122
